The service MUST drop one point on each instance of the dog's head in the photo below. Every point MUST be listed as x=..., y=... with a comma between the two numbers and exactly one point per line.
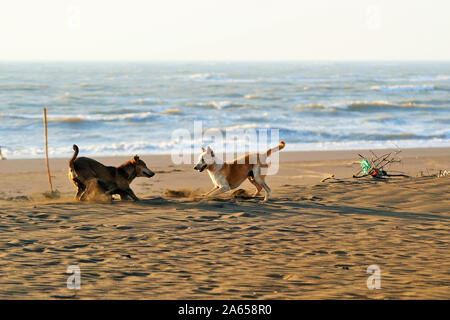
x=205, y=160
x=141, y=168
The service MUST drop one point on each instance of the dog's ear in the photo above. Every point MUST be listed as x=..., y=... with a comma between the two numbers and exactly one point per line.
x=203, y=149
x=209, y=150
x=135, y=159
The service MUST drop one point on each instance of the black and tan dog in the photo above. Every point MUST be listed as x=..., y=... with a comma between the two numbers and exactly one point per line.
x=85, y=172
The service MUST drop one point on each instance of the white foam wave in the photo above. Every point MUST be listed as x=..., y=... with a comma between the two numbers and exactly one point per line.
x=404, y=87
x=359, y=105
x=79, y=118
x=237, y=127
x=219, y=77
x=145, y=148
x=215, y=104
x=114, y=149
x=374, y=144
x=206, y=76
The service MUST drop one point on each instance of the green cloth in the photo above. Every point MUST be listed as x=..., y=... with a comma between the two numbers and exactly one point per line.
x=365, y=166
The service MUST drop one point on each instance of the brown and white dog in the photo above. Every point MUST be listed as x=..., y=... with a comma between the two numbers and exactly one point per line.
x=110, y=180
x=228, y=176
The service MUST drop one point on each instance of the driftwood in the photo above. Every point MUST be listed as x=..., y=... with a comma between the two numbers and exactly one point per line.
x=443, y=173
x=327, y=178
x=377, y=165
x=440, y=174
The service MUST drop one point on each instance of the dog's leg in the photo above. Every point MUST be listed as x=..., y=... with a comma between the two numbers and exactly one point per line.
x=79, y=193
x=123, y=195
x=210, y=191
x=109, y=189
x=260, y=180
x=130, y=193
x=257, y=185
x=81, y=188
x=83, y=195
x=218, y=191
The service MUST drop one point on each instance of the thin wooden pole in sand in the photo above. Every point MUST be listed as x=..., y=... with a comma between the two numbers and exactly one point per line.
x=46, y=150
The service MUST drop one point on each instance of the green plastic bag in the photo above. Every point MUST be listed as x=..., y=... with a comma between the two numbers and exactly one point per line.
x=365, y=166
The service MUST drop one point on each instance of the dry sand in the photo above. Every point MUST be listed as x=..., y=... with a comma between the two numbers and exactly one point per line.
x=313, y=240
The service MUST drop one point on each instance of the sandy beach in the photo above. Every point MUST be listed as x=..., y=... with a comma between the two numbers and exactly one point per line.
x=312, y=240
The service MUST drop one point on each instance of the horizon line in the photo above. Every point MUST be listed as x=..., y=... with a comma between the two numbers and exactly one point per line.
x=223, y=60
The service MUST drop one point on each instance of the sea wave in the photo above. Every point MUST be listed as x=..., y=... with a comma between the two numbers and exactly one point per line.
x=222, y=77
x=295, y=139
x=404, y=87
x=23, y=87
x=417, y=78
x=385, y=118
x=229, y=94
x=382, y=105
x=310, y=106
x=90, y=86
x=442, y=120
x=217, y=104
x=365, y=144
x=172, y=111
x=206, y=76
x=147, y=101
x=431, y=102
x=359, y=106
x=110, y=149
x=235, y=128
x=317, y=134
x=258, y=97
x=80, y=118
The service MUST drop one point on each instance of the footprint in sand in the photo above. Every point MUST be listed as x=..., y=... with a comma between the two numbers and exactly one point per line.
x=20, y=242
x=124, y=227
x=343, y=266
x=340, y=252
x=85, y=228
x=76, y=246
x=34, y=249
x=90, y=260
x=134, y=274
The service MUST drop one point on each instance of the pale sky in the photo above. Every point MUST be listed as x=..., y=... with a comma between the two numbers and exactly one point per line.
x=224, y=30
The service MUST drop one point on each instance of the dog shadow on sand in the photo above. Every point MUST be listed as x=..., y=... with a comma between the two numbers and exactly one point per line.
x=242, y=201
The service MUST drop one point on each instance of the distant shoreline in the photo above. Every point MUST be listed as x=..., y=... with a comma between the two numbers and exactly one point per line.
x=231, y=61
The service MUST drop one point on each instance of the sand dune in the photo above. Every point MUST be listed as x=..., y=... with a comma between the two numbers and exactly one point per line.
x=311, y=241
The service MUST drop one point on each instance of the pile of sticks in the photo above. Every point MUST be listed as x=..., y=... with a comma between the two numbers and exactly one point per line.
x=377, y=165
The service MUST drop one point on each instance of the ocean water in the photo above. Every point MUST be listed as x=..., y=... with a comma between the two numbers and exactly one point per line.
x=120, y=108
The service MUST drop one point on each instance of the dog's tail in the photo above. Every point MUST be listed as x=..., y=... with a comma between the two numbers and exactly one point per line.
x=72, y=160
x=277, y=148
